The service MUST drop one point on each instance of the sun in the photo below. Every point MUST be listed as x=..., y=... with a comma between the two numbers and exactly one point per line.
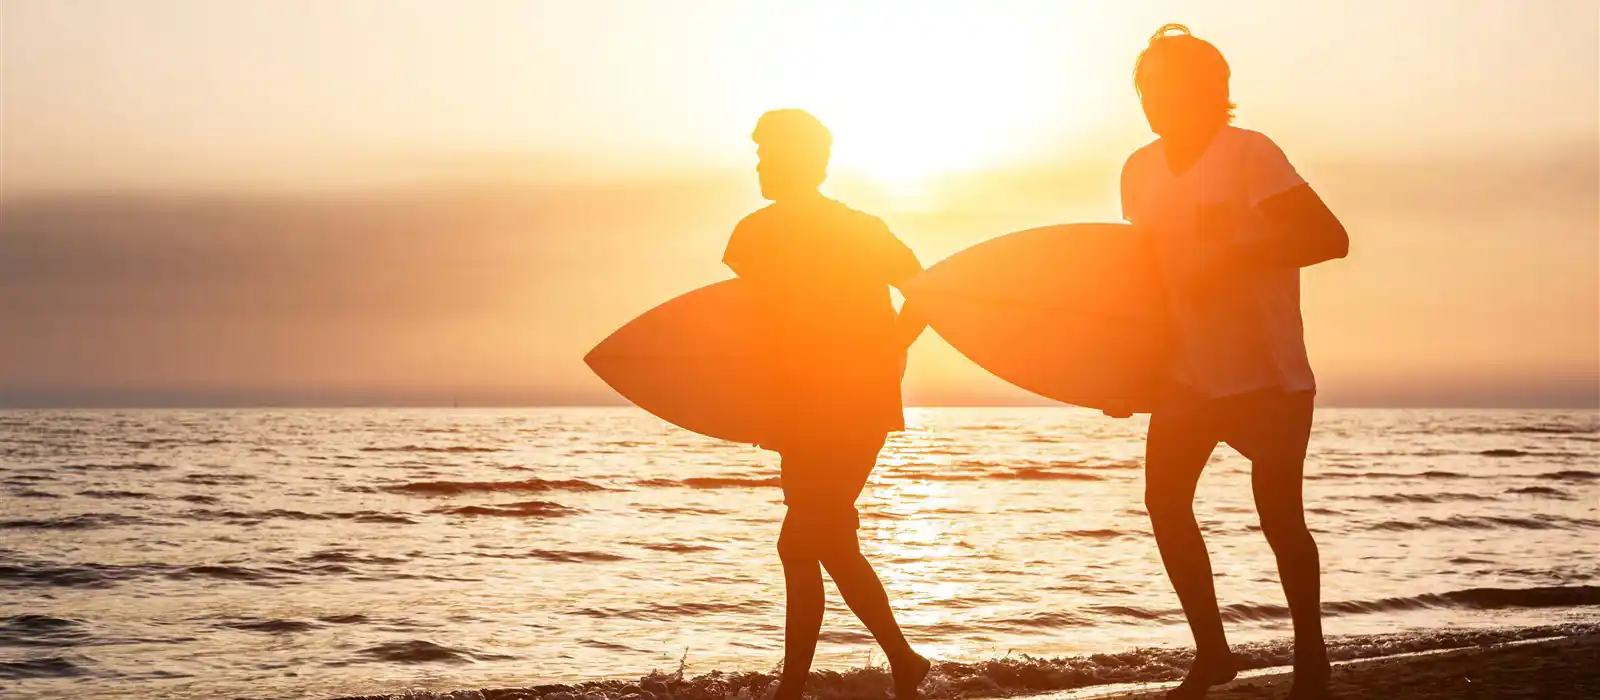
x=913, y=94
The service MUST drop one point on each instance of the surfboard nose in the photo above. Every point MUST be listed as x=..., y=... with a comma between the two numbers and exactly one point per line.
x=692, y=361
x=1071, y=312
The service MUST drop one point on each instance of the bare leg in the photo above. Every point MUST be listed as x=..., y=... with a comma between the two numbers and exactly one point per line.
x=802, y=581
x=820, y=487
x=865, y=595
x=1176, y=453
x=1277, y=449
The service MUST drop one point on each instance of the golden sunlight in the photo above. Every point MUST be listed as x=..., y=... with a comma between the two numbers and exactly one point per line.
x=961, y=93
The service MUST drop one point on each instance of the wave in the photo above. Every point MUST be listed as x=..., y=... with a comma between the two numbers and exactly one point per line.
x=1555, y=429
x=1525, y=453
x=609, y=646
x=1471, y=598
x=1542, y=521
x=47, y=667
x=570, y=557
x=563, y=557
x=677, y=547
x=711, y=482
x=1425, y=497
x=454, y=449
x=83, y=521
x=119, y=467
x=205, y=479
x=533, y=485
x=23, y=479
x=218, y=571
x=41, y=631
x=683, y=510
x=336, y=556
x=1571, y=475
x=522, y=509
x=273, y=626
x=165, y=442
x=253, y=517
x=1432, y=474
x=658, y=612
x=1044, y=620
x=94, y=493
x=418, y=651
x=33, y=493
x=1094, y=534
x=1040, y=474
x=1542, y=491
x=1505, y=453
x=64, y=576
x=91, y=576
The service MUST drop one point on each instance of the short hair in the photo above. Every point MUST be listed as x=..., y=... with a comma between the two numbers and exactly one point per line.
x=1180, y=56
x=794, y=131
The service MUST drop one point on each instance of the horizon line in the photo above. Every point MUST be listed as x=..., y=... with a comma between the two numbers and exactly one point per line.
x=513, y=406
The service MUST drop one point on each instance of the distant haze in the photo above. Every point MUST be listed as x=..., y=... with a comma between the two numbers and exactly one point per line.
x=253, y=203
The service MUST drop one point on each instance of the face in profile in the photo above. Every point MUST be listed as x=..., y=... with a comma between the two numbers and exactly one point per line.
x=792, y=148
x=784, y=173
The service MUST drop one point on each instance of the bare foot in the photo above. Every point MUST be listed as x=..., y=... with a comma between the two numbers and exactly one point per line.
x=786, y=689
x=1311, y=683
x=908, y=674
x=1204, y=673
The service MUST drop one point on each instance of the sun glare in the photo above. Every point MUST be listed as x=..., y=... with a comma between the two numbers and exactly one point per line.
x=959, y=93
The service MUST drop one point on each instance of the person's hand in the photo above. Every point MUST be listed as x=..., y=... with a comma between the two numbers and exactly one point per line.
x=1118, y=409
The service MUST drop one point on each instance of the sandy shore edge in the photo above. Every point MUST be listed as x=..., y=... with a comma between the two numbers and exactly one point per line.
x=1564, y=667
x=1558, y=669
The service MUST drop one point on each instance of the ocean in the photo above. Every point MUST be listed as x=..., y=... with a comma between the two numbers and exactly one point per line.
x=316, y=553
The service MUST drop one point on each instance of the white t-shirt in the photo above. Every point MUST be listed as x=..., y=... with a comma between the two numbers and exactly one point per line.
x=1246, y=334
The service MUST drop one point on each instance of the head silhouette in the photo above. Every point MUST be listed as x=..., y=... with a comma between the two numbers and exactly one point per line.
x=1182, y=82
x=793, y=149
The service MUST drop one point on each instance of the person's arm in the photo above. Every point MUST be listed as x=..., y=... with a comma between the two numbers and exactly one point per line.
x=1303, y=233
x=738, y=254
x=1301, y=230
x=909, y=324
x=899, y=264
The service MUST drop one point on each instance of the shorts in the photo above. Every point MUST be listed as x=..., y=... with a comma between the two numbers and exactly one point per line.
x=821, y=482
x=1268, y=425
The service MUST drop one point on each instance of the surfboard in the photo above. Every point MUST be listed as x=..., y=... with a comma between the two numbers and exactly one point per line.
x=693, y=361
x=1071, y=312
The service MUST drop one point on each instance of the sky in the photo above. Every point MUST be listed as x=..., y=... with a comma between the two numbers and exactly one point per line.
x=359, y=202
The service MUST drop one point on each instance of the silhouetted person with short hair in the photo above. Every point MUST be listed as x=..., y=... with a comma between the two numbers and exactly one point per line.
x=822, y=272
x=1231, y=223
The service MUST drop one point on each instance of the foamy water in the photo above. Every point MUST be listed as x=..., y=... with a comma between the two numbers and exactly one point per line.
x=313, y=553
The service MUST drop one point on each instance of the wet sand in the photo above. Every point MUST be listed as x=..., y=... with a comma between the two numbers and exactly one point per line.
x=1547, y=670
x=1567, y=668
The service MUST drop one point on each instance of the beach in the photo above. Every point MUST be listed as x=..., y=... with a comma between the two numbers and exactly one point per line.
x=1558, y=668
x=298, y=553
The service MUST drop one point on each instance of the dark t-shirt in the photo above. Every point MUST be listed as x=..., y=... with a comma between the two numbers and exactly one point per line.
x=823, y=272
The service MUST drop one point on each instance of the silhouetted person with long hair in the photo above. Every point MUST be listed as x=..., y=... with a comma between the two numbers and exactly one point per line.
x=822, y=273
x=1231, y=224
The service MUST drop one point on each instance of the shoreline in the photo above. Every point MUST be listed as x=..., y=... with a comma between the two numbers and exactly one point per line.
x=1551, y=661
x=1561, y=668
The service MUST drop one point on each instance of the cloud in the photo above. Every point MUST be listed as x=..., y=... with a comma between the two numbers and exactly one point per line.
x=1474, y=280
